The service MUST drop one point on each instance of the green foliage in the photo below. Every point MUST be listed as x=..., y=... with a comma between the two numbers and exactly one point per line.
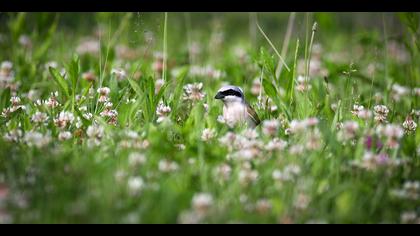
x=114, y=158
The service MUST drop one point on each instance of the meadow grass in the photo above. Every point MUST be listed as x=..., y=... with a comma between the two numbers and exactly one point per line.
x=111, y=118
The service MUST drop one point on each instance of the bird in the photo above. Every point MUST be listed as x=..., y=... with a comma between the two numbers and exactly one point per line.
x=235, y=108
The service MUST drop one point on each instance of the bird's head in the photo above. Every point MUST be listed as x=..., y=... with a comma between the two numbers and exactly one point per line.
x=230, y=94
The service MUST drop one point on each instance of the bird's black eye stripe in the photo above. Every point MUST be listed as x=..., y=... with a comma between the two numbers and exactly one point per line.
x=231, y=92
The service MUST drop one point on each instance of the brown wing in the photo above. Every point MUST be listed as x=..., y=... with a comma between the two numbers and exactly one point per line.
x=254, y=116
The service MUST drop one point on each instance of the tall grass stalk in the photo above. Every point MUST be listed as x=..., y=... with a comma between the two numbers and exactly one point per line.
x=286, y=41
x=165, y=47
x=273, y=47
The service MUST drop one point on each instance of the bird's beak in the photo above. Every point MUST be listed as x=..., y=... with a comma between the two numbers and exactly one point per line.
x=219, y=96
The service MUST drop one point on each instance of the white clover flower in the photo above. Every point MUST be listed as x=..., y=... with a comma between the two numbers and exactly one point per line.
x=103, y=94
x=296, y=149
x=302, y=201
x=297, y=126
x=348, y=131
x=119, y=73
x=409, y=125
x=64, y=135
x=361, y=112
x=158, y=85
x=6, y=66
x=89, y=46
x=193, y=92
x=135, y=185
x=409, y=217
x=168, y=166
x=39, y=117
x=276, y=145
x=202, y=202
x=208, y=134
x=223, y=171
x=64, y=119
x=393, y=133
x=95, y=134
x=398, y=92
x=263, y=206
x=162, y=112
x=416, y=92
x=247, y=176
x=52, y=101
x=270, y=127
x=256, y=86
x=313, y=141
x=13, y=135
x=136, y=159
x=381, y=113
x=37, y=139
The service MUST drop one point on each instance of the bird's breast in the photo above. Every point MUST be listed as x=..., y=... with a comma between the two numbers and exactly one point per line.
x=234, y=113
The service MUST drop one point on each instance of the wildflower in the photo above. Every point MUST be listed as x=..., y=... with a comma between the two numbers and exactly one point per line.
x=37, y=139
x=303, y=85
x=124, y=52
x=276, y=145
x=95, y=134
x=410, y=190
x=109, y=113
x=64, y=119
x=162, y=112
x=6, y=67
x=89, y=76
x=136, y=159
x=202, y=202
x=13, y=136
x=158, y=63
x=25, y=41
x=103, y=94
x=289, y=173
x=302, y=201
x=193, y=92
x=33, y=95
x=348, y=131
x=247, y=176
x=52, y=101
x=189, y=217
x=88, y=46
x=88, y=116
x=39, y=117
x=228, y=139
x=135, y=185
x=119, y=73
x=296, y=149
x=256, y=87
x=393, y=133
x=381, y=113
x=398, y=92
x=313, y=141
x=158, y=85
x=361, y=112
x=223, y=171
x=208, y=134
x=300, y=126
x=409, y=217
x=409, y=125
x=64, y=135
x=194, y=49
x=263, y=206
x=207, y=71
x=270, y=127
x=416, y=92
x=167, y=166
